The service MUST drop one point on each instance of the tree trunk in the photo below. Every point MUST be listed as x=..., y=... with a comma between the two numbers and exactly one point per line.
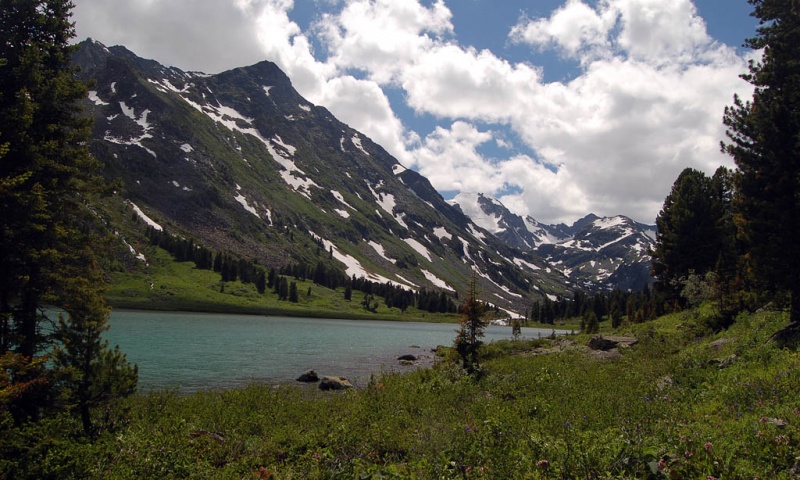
x=794, y=314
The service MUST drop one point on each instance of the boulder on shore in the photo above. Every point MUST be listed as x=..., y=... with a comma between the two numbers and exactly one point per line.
x=610, y=342
x=407, y=357
x=308, y=377
x=334, y=383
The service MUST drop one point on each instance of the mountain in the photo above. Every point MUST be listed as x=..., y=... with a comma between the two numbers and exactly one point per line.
x=241, y=163
x=594, y=252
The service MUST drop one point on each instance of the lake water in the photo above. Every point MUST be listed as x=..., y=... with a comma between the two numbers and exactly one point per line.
x=191, y=351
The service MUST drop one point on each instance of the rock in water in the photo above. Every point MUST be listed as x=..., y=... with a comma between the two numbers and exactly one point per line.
x=308, y=377
x=334, y=383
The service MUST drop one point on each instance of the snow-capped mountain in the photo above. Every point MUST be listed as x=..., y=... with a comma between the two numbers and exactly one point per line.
x=594, y=252
x=241, y=163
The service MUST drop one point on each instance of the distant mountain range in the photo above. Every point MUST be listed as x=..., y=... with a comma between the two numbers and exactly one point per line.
x=594, y=252
x=241, y=163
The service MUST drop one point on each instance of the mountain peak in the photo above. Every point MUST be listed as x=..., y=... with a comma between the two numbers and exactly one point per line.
x=240, y=162
x=595, y=252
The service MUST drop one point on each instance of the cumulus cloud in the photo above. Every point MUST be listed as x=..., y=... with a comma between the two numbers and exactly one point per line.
x=645, y=103
x=207, y=35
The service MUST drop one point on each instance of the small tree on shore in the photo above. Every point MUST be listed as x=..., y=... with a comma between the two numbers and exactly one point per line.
x=472, y=328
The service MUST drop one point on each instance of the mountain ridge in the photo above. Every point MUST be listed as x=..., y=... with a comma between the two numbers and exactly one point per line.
x=243, y=163
x=594, y=252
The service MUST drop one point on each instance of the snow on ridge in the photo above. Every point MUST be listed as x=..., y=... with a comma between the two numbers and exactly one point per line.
x=186, y=148
x=609, y=222
x=470, y=205
x=97, y=100
x=144, y=217
x=342, y=213
x=228, y=117
x=305, y=107
x=357, y=142
x=397, y=169
x=267, y=89
x=164, y=85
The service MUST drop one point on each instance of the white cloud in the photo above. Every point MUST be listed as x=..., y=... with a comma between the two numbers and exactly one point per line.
x=575, y=27
x=646, y=102
x=380, y=37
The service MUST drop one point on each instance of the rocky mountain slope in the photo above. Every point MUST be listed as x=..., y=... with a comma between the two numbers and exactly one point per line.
x=594, y=252
x=241, y=163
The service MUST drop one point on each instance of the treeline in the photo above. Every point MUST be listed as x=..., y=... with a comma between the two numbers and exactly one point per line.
x=278, y=280
x=615, y=306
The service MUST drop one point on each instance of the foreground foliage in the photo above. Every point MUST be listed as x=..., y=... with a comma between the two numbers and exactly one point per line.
x=682, y=403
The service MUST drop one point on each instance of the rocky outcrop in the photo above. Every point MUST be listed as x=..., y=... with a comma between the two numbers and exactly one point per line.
x=608, y=343
x=308, y=377
x=334, y=383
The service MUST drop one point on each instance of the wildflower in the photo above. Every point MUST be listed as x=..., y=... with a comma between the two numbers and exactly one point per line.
x=796, y=411
x=662, y=465
x=759, y=434
x=688, y=454
x=762, y=419
x=316, y=456
x=708, y=446
x=782, y=440
x=542, y=464
x=711, y=477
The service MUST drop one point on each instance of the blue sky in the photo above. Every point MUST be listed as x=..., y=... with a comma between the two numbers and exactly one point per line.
x=558, y=108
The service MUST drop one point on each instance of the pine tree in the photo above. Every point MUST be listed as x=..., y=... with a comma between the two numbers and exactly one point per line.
x=472, y=328
x=47, y=177
x=765, y=144
x=690, y=234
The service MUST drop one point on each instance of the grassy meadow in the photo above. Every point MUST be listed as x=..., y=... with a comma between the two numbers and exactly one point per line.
x=684, y=402
x=165, y=284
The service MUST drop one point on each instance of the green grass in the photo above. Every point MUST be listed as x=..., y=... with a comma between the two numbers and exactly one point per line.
x=178, y=286
x=663, y=409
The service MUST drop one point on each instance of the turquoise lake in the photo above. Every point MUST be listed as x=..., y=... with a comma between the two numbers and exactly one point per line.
x=193, y=351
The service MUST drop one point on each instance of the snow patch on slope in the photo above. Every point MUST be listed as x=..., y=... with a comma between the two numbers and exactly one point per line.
x=357, y=142
x=144, y=217
x=420, y=248
x=436, y=280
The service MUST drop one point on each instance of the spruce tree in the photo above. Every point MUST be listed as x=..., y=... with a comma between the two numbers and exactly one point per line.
x=47, y=231
x=691, y=231
x=764, y=138
x=472, y=328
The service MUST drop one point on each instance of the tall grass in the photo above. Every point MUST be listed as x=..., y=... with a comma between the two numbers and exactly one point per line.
x=673, y=406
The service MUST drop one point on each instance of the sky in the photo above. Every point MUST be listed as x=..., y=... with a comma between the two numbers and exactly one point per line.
x=558, y=108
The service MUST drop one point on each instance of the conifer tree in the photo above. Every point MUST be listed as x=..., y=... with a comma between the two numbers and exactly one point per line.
x=690, y=234
x=47, y=232
x=470, y=334
x=765, y=144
